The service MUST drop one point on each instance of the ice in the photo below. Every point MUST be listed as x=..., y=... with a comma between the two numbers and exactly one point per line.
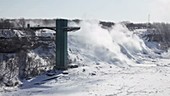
x=117, y=46
x=114, y=62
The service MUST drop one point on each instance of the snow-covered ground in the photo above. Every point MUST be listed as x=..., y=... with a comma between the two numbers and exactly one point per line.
x=111, y=63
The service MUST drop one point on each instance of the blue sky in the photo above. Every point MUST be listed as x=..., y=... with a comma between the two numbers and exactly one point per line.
x=110, y=10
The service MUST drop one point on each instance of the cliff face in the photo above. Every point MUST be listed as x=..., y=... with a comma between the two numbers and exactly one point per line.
x=25, y=53
x=23, y=56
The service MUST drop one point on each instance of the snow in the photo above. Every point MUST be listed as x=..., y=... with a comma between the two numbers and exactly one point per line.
x=11, y=33
x=45, y=33
x=111, y=63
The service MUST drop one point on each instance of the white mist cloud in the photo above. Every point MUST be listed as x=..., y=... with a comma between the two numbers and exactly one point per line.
x=160, y=10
